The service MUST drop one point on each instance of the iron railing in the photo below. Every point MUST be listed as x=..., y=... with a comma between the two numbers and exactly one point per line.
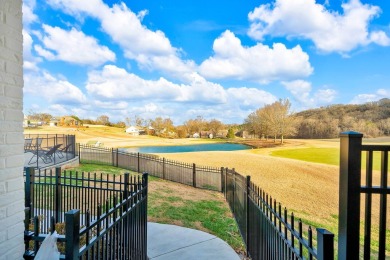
x=250, y=208
x=47, y=150
x=267, y=231
x=105, y=216
x=374, y=185
x=186, y=173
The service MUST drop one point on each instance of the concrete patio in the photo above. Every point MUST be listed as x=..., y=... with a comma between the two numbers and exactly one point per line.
x=30, y=161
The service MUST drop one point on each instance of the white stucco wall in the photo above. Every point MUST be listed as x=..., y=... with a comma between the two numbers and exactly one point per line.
x=11, y=130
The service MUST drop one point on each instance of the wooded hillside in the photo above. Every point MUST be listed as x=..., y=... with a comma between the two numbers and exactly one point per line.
x=372, y=119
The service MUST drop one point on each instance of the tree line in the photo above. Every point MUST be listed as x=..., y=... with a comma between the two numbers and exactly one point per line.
x=276, y=120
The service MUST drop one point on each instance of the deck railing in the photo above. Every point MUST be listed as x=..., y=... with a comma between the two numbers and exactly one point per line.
x=99, y=216
x=48, y=150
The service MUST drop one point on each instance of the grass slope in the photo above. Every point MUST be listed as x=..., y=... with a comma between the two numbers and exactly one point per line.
x=182, y=205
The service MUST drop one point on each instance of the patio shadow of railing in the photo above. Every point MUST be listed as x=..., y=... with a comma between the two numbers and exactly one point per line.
x=42, y=151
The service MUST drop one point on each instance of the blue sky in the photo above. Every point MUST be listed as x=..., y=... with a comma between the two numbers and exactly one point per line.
x=215, y=59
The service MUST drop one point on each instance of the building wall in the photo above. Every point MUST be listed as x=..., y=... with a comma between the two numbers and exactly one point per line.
x=11, y=130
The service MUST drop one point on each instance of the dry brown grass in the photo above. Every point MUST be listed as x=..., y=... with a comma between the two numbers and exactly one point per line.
x=311, y=190
x=112, y=136
x=307, y=188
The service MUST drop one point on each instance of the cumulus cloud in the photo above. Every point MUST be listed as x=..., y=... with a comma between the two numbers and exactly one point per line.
x=52, y=89
x=250, y=97
x=116, y=83
x=150, y=98
x=72, y=46
x=28, y=13
x=370, y=97
x=29, y=60
x=258, y=63
x=302, y=92
x=330, y=31
x=151, y=49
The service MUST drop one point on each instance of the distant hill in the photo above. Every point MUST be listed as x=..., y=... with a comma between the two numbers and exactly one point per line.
x=372, y=119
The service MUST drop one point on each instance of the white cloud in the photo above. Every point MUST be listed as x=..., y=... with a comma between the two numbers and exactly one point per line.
x=116, y=83
x=151, y=49
x=370, y=97
x=258, y=63
x=250, y=97
x=28, y=13
x=113, y=88
x=72, y=46
x=302, y=92
x=329, y=30
x=52, y=89
x=29, y=60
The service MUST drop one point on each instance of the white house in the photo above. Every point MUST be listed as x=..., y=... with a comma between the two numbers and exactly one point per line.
x=132, y=130
x=11, y=130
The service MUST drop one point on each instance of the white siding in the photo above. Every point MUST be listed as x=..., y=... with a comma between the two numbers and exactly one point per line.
x=11, y=130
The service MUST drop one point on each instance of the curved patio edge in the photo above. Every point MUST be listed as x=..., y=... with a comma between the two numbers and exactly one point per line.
x=67, y=163
x=174, y=242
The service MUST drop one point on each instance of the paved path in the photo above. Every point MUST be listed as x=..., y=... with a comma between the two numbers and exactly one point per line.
x=174, y=242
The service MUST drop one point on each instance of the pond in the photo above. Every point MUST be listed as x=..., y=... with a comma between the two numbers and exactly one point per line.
x=188, y=148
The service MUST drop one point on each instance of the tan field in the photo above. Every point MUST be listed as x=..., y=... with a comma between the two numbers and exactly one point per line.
x=309, y=189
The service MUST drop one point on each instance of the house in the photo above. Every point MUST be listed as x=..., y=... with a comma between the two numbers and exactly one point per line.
x=70, y=121
x=54, y=122
x=243, y=134
x=132, y=130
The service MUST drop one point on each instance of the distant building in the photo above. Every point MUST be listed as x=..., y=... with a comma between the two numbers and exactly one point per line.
x=53, y=122
x=69, y=121
x=132, y=130
x=196, y=135
x=243, y=134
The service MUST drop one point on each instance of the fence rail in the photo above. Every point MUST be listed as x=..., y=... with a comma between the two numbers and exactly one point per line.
x=266, y=231
x=187, y=173
x=49, y=149
x=105, y=216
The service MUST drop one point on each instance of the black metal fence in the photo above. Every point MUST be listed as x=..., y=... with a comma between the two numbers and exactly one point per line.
x=267, y=230
x=100, y=216
x=187, y=173
x=374, y=185
x=47, y=150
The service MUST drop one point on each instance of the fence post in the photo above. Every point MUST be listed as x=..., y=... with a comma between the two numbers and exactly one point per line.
x=29, y=189
x=164, y=168
x=138, y=167
x=234, y=190
x=144, y=214
x=57, y=205
x=222, y=179
x=325, y=245
x=226, y=184
x=112, y=157
x=349, y=195
x=248, y=183
x=72, y=229
x=79, y=152
x=117, y=156
x=194, y=175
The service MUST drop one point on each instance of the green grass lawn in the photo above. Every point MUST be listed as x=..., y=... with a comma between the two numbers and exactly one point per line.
x=317, y=155
x=323, y=155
